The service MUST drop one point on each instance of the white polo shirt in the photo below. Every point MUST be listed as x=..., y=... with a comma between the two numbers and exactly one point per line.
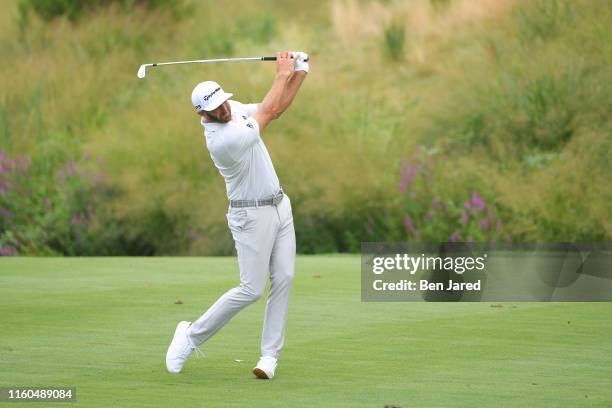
x=240, y=155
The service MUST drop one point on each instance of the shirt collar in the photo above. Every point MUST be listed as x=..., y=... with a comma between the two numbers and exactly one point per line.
x=205, y=124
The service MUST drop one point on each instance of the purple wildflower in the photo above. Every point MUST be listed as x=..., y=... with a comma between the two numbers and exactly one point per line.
x=8, y=250
x=435, y=203
x=465, y=217
x=408, y=171
x=77, y=218
x=484, y=224
x=477, y=201
x=456, y=237
x=410, y=226
x=2, y=157
x=90, y=216
x=70, y=168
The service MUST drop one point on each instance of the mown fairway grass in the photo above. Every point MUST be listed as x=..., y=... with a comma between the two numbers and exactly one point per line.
x=103, y=326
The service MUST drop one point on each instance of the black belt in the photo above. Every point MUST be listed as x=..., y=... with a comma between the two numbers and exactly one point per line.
x=275, y=200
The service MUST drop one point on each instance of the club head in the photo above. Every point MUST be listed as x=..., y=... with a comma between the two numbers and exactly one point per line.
x=142, y=71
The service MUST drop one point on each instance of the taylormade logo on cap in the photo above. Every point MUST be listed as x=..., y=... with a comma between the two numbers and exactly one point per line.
x=208, y=96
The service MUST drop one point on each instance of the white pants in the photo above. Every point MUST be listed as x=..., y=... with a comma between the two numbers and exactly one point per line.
x=265, y=241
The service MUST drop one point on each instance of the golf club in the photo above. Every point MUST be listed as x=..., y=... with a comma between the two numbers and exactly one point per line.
x=143, y=68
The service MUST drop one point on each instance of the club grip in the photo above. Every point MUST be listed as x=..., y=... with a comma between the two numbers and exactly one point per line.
x=274, y=59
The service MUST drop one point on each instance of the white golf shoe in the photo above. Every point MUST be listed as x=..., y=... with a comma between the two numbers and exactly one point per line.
x=180, y=349
x=265, y=368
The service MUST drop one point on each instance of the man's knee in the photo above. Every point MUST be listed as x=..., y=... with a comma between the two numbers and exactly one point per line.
x=282, y=277
x=251, y=293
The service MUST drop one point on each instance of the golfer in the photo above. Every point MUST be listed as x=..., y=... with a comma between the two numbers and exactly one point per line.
x=259, y=214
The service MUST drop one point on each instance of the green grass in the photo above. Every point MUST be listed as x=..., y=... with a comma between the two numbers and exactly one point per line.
x=103, y=326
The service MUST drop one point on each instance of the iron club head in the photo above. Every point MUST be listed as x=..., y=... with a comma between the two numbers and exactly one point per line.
x=142, y=71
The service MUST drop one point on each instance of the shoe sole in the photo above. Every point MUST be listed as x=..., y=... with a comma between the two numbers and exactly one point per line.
x=261, y=374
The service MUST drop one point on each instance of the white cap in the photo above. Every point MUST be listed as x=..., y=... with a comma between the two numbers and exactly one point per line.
x=208, y=96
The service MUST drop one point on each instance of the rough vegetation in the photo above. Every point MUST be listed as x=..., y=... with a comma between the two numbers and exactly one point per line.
x=428, y=120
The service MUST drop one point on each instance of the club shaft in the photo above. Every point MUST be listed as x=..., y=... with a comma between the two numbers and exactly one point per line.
x=214, y=60
x=211, y=60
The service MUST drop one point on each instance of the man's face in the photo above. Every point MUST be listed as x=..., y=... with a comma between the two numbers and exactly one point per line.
x=222, y=114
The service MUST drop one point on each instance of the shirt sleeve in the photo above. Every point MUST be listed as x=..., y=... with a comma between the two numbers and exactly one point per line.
x=242, y=138
x=250, y=108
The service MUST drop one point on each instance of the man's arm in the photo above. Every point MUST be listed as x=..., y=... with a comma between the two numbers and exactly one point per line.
x=292, y=87
x=284, y=88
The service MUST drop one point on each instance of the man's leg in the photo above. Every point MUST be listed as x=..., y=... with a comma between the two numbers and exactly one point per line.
x=254, y=238
x=282, y=267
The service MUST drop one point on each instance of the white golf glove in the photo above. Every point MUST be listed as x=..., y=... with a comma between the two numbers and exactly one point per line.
x=300, y=61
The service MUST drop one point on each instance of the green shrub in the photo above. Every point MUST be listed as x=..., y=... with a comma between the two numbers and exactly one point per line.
x=543, y=113
x=73, y=9
x=394, y=41
x=433, y=214
x=543, y=19
x=61, y=212
x=42, y=214
x=421, y=209
x=524, y=115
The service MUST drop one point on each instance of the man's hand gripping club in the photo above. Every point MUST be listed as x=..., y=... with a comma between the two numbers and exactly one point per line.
x=291, y=69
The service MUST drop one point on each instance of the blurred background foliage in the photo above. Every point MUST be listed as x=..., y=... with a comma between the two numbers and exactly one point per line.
x=425, y=120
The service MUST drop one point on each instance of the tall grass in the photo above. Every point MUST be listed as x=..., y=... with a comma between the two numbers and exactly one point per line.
x=395, y=37
x=508, y=102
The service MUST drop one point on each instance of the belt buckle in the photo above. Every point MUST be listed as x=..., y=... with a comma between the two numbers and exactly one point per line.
x=277, y=199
